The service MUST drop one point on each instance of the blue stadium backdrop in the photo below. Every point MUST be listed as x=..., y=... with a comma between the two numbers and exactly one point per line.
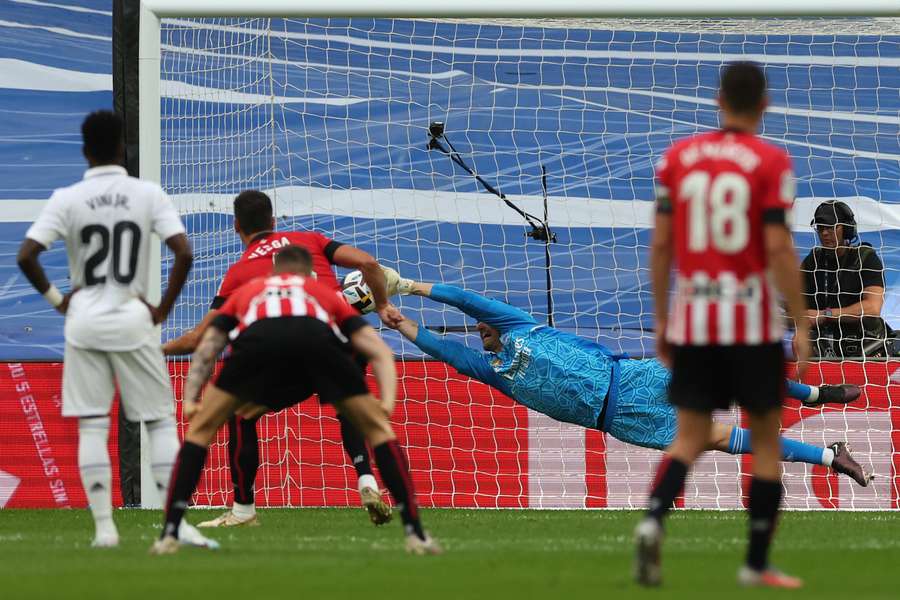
x=331, y=117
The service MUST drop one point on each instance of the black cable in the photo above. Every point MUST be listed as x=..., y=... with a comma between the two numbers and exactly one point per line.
x=540, y=230
x=435, y=144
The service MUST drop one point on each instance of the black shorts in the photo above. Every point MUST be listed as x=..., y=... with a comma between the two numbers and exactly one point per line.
x=706, y=378
x=281, y=362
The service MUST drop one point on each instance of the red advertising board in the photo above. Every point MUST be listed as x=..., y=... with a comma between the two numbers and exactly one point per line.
x=38, y=448
x=468, y=446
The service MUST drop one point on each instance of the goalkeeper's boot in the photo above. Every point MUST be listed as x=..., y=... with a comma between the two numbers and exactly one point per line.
x=373, y=501
x=229, y=519
x=421, y=547
x=165, y=545
x=844, y=393
x=648, y=539
x=771, y=578
x=845, y=464
x=189, y=536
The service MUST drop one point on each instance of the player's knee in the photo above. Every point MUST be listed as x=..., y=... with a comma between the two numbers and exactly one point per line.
x=687, y=448
x=367, y=416
x=202, y=430
x=375, y=425
x=199, y=436
x=719, y=438
x=381, y=432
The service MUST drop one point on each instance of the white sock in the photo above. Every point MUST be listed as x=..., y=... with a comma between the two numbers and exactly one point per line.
x=164, y=447
x=96, y=473
x=367, y=481
x=827, y=457
x=813, y=393
x=243, y=511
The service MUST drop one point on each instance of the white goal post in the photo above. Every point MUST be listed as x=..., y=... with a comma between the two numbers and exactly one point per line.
x=355, y=51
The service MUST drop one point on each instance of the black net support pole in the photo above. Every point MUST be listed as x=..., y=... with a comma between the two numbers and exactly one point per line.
x=125, y=42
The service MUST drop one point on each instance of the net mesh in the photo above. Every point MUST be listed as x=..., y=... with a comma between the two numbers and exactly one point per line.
x=331, y=118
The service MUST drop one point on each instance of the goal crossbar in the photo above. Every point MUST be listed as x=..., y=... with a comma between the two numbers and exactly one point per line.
x=520, y=8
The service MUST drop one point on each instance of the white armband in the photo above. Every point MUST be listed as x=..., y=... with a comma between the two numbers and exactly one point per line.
x=53, y=296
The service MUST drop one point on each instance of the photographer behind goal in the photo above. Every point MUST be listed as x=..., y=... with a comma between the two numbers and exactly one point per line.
x=843, y=280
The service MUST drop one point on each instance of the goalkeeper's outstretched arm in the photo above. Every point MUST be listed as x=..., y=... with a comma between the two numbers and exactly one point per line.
x=493, y=312
x=465, y=360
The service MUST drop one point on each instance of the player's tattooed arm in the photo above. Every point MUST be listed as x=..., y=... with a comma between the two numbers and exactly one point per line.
x=202, y=363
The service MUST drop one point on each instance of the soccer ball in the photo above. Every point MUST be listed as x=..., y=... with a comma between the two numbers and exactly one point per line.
x=358, y=293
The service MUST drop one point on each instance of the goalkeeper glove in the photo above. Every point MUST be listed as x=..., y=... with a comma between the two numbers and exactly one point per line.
x=396, y=284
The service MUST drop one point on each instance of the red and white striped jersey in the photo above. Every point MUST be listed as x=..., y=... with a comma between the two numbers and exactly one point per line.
x=283, y=295
x=721, y=188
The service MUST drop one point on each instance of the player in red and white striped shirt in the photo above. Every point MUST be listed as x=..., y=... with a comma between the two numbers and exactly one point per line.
x=722, y=217
x=255, y=224
x=291, y=338
x=719, y=189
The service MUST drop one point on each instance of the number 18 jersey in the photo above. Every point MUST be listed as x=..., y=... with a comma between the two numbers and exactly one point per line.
x=107, y=220
x=721, y=188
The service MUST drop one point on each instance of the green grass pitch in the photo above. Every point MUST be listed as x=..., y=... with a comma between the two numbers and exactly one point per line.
x=336, y=553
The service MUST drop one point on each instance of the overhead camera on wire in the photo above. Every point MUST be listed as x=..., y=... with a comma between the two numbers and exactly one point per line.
x=540, y=228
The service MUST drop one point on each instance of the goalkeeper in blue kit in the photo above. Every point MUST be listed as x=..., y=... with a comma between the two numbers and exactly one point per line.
x=575, y=380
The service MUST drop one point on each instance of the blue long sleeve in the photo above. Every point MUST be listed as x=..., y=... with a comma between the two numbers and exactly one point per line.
x=539, y=367
x=493, y=312
x=465, y=360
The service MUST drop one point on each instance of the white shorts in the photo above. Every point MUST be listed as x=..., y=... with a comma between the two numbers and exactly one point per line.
x=89, y=378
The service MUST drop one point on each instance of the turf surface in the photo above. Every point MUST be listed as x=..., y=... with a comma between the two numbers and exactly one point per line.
x=334, y=553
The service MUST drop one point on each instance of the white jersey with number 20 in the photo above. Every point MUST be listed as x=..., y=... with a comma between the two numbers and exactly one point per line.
x=107, y=220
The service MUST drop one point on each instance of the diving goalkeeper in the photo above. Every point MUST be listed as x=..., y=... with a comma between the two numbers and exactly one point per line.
x=575, y=380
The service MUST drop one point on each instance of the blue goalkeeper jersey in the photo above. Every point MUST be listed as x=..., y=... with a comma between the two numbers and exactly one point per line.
x=555, y=373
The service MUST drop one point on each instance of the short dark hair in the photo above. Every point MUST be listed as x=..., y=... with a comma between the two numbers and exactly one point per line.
x=101, y=132
x=743, y=87
x=253, y=210
x=293, y=259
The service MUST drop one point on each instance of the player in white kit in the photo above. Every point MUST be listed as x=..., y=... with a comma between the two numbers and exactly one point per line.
x=107, y=221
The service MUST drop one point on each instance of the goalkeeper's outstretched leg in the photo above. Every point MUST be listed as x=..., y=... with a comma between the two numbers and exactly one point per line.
x=837, y=455
x=625, y=398
x=645, y=418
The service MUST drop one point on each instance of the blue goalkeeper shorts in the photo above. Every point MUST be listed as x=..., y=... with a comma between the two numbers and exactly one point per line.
x=644, y=416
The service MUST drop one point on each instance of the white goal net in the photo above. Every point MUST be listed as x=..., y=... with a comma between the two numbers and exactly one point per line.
x=331, y=118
